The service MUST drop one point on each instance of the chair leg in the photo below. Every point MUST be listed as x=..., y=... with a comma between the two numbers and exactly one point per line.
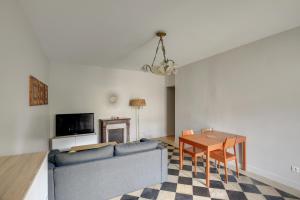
x=195, y=164
x=219, y=167
x=237, y=167
x=182, y=154
x=226, y=174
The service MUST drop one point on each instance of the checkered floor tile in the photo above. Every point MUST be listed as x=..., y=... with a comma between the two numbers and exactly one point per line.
x=185, y=185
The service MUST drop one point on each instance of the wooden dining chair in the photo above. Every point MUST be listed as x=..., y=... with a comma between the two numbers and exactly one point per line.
x=194, y=152
x=223, y=156
x=206, y=130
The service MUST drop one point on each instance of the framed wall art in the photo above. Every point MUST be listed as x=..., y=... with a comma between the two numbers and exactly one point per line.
x=38, y=92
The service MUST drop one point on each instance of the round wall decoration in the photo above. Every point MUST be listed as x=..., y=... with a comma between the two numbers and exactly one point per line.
x=113, y=98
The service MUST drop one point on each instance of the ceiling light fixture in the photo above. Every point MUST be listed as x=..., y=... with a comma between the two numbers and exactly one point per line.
x=167, y=66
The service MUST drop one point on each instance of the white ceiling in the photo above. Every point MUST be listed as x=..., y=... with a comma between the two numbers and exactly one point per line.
x=120, y=33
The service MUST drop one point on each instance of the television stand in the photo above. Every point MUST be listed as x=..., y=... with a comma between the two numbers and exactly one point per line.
x=64, y=143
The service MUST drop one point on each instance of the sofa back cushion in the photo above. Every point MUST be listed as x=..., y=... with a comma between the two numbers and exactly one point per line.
x=52, y=154
x=62, y=159
x=134, y=147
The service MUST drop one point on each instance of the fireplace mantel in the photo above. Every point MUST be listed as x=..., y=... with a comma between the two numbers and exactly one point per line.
x=106, y=122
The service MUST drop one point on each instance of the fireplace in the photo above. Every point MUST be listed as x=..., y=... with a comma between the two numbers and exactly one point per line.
x=115, y=130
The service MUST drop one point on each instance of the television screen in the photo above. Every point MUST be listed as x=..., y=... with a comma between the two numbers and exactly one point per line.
x=73, y=124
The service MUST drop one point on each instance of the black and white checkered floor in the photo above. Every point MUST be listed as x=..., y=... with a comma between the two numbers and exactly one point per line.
x=184, y=185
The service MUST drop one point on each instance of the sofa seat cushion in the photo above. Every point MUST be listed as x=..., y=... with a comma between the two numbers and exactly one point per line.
x=62, y=159
x=134, y=147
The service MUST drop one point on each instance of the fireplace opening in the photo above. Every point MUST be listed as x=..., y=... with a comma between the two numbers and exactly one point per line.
x=116, y=135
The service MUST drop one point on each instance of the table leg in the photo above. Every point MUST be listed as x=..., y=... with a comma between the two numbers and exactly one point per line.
x=207, y=169
x=180, y=154
x=244, y=167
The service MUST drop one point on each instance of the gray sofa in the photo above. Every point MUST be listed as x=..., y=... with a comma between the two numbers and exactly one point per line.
x=106, y=172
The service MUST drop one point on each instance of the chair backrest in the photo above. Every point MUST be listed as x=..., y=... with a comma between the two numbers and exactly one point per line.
x=206, y=130
x=187, y=132
x=229, y=143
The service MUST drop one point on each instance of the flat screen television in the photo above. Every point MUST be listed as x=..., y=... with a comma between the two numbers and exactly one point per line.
x=74, y=124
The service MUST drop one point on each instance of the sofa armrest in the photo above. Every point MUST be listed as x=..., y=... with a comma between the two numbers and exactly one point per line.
x=51, y=168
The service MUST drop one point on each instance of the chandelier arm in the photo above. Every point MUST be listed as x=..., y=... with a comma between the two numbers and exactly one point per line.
x=171, y=61
x=148, y=68
x=163, y=49
x=167, y=66
x=155, y=53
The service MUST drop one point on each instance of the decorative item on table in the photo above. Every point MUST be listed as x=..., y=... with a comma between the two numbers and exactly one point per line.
x=167, y=66
x=114, y=117
x=137, y=104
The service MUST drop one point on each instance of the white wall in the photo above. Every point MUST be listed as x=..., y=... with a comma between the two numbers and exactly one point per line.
x=77, y=89
x=170, y=81
x=22, y=128
x=253, y=90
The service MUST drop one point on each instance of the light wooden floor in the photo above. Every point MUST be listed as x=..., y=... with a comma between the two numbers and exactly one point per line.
x=169, y=140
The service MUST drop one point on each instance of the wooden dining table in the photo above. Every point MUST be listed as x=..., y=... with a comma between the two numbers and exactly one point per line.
x=210, y=141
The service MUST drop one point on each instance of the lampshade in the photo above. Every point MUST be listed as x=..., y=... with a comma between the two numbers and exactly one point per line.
x=137, y=102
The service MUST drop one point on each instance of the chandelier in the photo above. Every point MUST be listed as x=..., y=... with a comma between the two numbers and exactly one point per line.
x=166, y=67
